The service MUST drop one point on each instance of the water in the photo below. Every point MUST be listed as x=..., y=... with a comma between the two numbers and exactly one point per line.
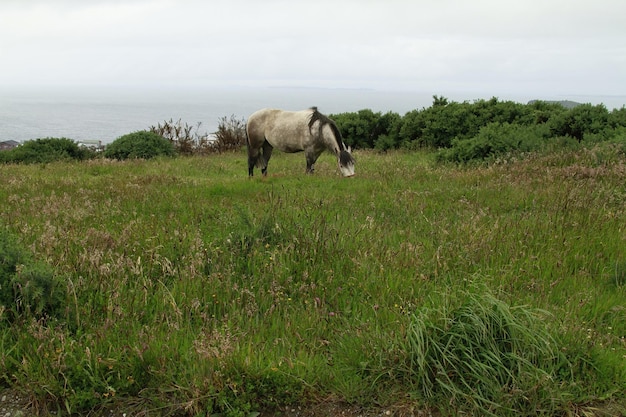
x=106, y=114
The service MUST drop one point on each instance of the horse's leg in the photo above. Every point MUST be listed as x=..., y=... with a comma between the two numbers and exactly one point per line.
x=267, y=154
x=253, y=158
x=251, y=164
x=311, y=157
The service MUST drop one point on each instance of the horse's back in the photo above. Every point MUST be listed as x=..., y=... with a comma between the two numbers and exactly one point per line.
x=255, y=127
x=269, y=118
x=285, y=130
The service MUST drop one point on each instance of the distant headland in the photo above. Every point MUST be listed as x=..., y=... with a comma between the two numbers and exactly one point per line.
x=568, y=104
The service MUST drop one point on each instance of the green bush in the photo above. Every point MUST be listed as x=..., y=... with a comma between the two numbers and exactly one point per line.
x=385, y=143
x=468, y=127
x=46, y=150
x=617, y=118
x=495, y=139
x=364, y=128
x=582, y=120
x=26, y=287
x=439, y=125
x=139, y=145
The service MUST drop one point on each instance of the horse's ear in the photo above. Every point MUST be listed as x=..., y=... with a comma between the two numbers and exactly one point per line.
x=349, y=149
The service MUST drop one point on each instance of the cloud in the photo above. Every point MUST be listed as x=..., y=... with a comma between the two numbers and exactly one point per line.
x=561, y=45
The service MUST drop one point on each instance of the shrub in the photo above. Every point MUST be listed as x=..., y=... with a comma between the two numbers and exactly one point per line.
x=46, y=150
x=364, y=128
x=139, y=145
x=582, y=120
x=26, y=287
x=385, y=143
x=617, y=118
x=438, y=125
x=230, y=135
x=187, y=139
x=493, y=140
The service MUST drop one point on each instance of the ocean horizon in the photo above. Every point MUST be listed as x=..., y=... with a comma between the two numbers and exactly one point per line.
x=104, y=114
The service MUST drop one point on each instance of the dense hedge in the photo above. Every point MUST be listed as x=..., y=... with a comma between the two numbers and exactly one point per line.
x=482, y=129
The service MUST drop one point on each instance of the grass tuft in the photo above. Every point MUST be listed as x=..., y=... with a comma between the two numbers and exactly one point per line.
x=483, y=356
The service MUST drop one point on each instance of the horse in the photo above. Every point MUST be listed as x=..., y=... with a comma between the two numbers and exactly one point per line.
x=295, y=131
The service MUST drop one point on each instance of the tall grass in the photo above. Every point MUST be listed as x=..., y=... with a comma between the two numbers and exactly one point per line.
x=192, y=289
x=485, y=357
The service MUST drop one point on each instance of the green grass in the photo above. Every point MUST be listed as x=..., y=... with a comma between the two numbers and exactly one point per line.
x=192, y=289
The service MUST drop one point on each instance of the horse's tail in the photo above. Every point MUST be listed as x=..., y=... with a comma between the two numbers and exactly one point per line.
x=257, y=156
x=261, y=160
x=253, y=157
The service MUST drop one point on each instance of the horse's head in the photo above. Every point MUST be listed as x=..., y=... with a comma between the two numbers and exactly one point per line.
x=331, y=137
x=346, y=162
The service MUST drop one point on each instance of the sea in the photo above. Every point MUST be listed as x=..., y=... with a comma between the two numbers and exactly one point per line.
x=103, y=114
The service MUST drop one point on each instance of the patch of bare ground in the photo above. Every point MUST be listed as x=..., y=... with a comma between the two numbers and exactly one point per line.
x=15, y=404
x=334, y=408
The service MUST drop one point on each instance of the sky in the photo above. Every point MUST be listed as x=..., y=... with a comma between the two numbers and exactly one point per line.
x=493, y=47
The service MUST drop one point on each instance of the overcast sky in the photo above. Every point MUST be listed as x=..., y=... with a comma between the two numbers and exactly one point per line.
x=493, y=47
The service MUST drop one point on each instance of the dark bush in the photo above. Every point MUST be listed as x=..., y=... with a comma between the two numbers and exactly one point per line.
x=445, y=121
x=26, y=286
x=230, y=135
x=139, y=145
x=364, y=128
x=385, y=142
x=581, y=120
x=187, y=139
x=617, y=118
x=495, y=139
x=46, y=150
x=544, y=111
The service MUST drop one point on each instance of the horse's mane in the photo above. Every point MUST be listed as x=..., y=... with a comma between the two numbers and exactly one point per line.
x=325, y=120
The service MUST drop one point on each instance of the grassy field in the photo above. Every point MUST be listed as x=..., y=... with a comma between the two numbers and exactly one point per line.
x=191, y=289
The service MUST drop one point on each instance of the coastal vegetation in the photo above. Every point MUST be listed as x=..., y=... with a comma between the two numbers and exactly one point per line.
x=484, y=129
x=41, y=151
x=468, y=132
x=178, y=286
x=139, y=145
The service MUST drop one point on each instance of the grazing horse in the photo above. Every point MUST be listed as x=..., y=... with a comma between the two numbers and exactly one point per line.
x=307, y=130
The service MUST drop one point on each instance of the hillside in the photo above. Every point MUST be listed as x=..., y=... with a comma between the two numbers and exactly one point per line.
x=568, y=104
